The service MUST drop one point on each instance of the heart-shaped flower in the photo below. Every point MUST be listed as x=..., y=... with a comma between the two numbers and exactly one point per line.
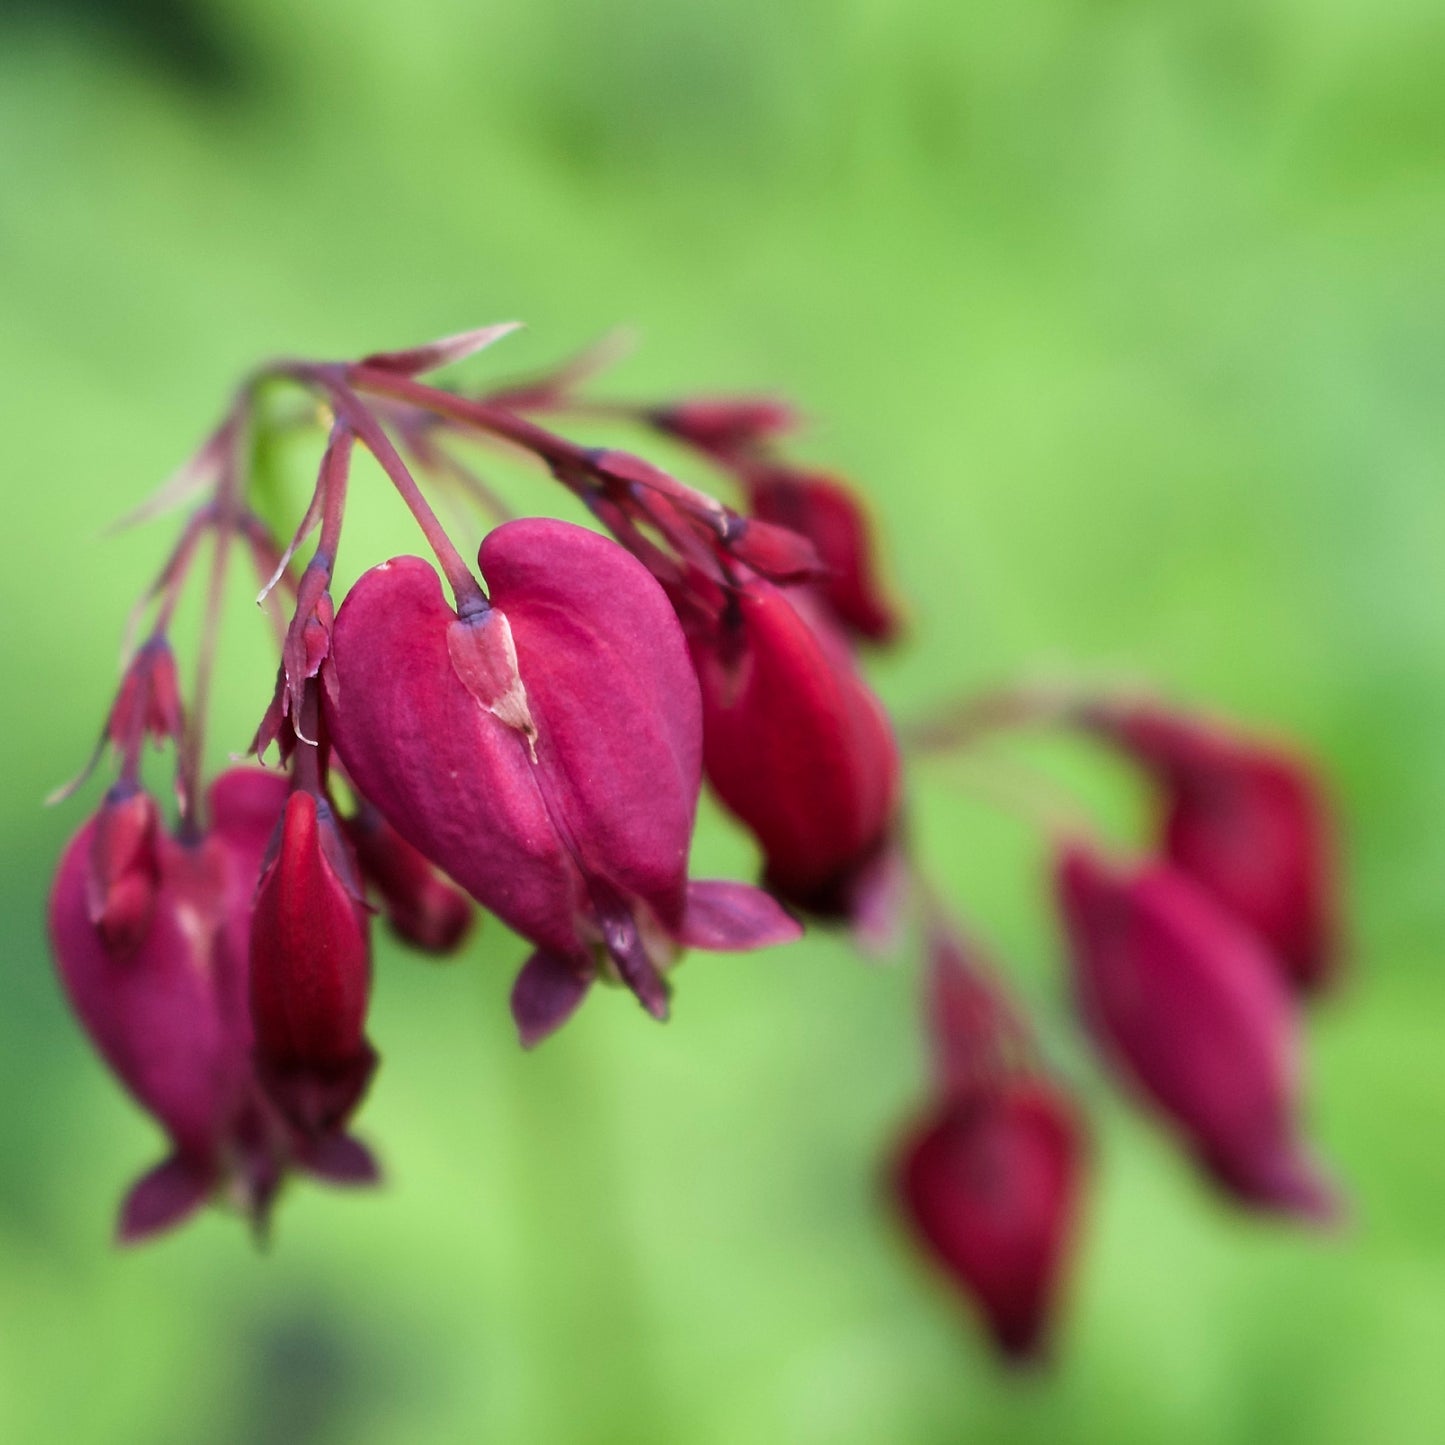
x=545, y=753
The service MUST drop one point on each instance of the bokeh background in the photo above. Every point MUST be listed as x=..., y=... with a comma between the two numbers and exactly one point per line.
x=1129, y=315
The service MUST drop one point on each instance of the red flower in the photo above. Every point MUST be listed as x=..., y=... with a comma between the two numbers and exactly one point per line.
x=831, y=516
x=1249, y=824
x=168, y=1011
x=546, y=754
x=311, y=971
x=989, y=1178
x=1187, y=1004
x=422, y=908
x=797, y=746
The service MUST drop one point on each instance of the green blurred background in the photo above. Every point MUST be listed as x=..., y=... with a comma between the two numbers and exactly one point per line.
x=1131, y=318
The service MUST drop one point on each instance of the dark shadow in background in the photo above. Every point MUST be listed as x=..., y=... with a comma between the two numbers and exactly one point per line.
x=185, y=40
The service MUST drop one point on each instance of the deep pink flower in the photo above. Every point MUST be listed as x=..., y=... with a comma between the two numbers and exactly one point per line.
x=831, y=516
x=797, y=746
x=545, y=754
x=989, y=1178
x=1187, y=1004
x=990, y=1186
x=311, y=971
x=420, y=905
x=169, y=1013
x=1248, y=823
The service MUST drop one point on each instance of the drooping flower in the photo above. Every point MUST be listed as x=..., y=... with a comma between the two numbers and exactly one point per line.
x=311, y=971
x=422, y=908
x=797, y=746
x=1186, y=1003
x=1248, y=822
x=831, y=516
x=169, y=1013
x=545, y=754
x=989, y=1177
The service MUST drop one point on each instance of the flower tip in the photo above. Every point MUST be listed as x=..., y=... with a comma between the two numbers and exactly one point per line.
x=547, y=992
x=342, y=1160
x=1292, y=1184
x=160, y=1200
x=726, y=917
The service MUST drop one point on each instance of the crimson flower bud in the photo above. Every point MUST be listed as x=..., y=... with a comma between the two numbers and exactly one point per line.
x=831, y=516
x=990, y=1186
x=311, y=971
x=420, y=905
x=796, y=745
x=989, y=1178
x=544, y=753
x=726, y=426
x=1186, y=1003
x=124, y=868
x=149, y=700
x=1248, y=823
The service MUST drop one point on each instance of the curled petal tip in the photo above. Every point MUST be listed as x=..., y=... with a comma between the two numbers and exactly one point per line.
x=547, y=992
x=727, y=917
x=160, y=1200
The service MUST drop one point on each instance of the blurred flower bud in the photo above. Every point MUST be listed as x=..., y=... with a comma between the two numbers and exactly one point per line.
x=1186, y=1003
x=831, y=516
x=990, y=1186
x=422, y=908
x=1248, y=823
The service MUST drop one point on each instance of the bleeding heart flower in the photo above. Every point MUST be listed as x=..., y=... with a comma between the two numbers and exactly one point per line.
x=545, y=754
x=831, y=516
x=797, y=746
x=311, y=971
x=169, y=1013
x=989, y=1178
x=1186, y=1002
x=422, y=908
x=990, y=1187
x=1248, y=823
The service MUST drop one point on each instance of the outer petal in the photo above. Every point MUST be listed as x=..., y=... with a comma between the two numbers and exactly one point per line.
x=1249, y=824
x=608, y=675
x=990, y=1187
x=1190, y=1005
x=309, y=958
x=797, y=746
x=154, y=1013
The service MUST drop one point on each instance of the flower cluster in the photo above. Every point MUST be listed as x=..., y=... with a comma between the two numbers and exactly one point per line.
x=530, y=736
